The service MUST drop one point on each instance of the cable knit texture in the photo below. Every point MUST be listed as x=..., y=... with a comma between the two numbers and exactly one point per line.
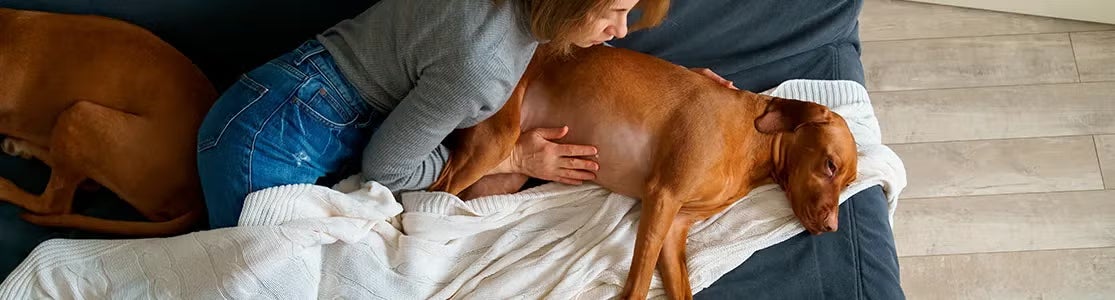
x=553, y=241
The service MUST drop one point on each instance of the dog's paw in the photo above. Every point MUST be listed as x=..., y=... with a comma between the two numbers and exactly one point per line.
x=15, y=148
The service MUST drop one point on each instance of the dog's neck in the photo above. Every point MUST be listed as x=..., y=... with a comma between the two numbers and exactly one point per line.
x=777, y=156
x=761, y=160
x=763, y=154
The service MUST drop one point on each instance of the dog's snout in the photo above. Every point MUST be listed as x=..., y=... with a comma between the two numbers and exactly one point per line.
x=831, y=223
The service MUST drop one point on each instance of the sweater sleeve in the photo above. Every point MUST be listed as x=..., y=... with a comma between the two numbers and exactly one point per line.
x=406, y=153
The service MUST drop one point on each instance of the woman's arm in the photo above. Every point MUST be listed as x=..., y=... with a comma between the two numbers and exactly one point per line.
x=405, y=152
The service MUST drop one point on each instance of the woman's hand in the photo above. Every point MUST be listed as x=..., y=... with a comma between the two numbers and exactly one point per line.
x=710, y=74
x=536, y=156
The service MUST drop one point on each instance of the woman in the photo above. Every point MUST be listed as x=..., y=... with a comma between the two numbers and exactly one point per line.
x=387, y=86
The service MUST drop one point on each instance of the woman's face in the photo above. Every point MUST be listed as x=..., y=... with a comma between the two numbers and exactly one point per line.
x=602, y=28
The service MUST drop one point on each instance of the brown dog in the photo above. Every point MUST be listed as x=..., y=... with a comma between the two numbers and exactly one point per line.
x=104, y=100
x=685, y=145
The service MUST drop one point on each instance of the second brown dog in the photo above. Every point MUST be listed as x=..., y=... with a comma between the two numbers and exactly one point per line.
x=103, y=100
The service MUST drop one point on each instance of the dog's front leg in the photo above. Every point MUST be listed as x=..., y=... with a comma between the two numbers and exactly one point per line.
x=495, y=184
x=659, y=209
x=475, y=151
x=671, y=262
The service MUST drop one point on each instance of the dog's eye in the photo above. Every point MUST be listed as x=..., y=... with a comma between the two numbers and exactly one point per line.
x=831, y=168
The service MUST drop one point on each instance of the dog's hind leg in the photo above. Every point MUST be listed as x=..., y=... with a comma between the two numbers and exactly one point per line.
x=63, y=157
x=27, y=150
x=78, y=146
x=149, y=166
x=57, y=198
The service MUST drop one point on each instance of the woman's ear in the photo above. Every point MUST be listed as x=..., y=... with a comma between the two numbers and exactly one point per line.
x=786, y=115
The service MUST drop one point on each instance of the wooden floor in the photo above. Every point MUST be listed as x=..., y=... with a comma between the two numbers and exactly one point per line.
x=1006, y=124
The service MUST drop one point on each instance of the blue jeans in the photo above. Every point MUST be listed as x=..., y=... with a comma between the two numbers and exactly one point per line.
x=293, y=120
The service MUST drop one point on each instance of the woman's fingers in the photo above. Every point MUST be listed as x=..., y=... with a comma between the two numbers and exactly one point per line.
x=577, y=175
x=575, y=150
x=542, y=158
x=710, y=74
x=551, y=133
x=579, y=164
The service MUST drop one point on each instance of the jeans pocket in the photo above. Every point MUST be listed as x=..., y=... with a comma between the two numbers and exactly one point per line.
x=232, y=103
x=326, y=105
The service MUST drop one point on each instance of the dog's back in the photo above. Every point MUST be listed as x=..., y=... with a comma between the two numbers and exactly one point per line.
x=52, y=60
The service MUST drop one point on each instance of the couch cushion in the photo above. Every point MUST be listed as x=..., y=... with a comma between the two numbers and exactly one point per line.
x=758, y=44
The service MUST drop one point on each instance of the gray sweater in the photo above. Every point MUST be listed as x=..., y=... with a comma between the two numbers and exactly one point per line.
x=433, y=66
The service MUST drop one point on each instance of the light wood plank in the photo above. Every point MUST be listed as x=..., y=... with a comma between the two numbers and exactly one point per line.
x=996, y=112
x=1105, y=146
x=1002, y=223
x=1086, y=10
x=1033, y=165
x=893, y=20
x=1060, y=274
x=969, y=62
x=1095, y=55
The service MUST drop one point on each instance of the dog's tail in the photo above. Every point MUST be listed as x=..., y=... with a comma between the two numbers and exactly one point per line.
x=176, y=226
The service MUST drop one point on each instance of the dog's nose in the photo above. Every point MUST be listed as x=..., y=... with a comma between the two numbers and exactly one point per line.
x=831, y=223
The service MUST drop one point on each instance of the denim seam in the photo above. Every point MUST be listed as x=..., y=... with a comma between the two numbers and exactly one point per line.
x=313, y=112
x=347, y=100
x=817, y=264
x=255, y=138
x=338, y=100
x=834, y=55
x=305, y=55
x=290, y=70
x=329, y=81
x=857, y=255
x=255, y=86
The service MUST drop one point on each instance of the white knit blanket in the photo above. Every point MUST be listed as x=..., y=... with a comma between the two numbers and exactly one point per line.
x=553, y=241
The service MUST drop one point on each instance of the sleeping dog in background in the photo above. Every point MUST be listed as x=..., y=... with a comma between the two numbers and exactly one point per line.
x=102, y=100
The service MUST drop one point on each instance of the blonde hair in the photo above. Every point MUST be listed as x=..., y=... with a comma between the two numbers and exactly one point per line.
x=559, y=20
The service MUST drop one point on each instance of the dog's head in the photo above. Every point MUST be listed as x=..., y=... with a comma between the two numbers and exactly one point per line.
x=814, y=159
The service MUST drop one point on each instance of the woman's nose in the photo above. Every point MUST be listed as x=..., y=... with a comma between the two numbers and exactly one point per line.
x=618, y=29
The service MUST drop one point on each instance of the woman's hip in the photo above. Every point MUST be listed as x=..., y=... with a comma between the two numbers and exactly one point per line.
x=301, y=89
x=292, y=114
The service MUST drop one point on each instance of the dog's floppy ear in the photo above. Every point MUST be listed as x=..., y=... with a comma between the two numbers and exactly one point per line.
x=786, y=115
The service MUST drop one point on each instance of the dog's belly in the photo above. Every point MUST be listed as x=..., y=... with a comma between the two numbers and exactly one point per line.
x=625, y=146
